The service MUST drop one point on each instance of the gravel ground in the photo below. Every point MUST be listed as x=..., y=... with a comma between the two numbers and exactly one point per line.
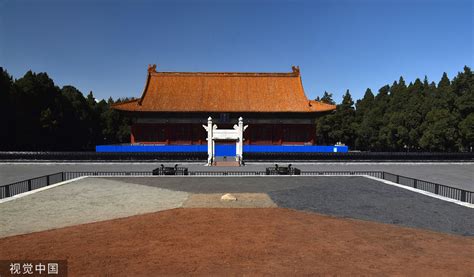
x=459, y=175
x=353, y=197
x=245, y=242
x=84, y=201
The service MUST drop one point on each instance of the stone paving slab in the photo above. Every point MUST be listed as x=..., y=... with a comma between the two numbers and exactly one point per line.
x=460, y=175
x=84, y=201
x=231, y=184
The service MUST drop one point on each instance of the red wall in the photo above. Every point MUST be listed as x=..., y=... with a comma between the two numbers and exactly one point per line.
x=276, y=134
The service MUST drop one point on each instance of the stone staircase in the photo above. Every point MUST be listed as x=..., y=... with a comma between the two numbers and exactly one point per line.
x=225, y=161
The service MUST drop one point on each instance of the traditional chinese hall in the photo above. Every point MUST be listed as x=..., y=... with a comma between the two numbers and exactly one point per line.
x=174, y=106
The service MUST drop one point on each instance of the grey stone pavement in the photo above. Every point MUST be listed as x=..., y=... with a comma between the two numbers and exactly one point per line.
x=460, y=175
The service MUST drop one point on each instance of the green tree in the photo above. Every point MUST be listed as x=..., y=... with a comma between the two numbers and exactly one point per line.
x=463, y=88
x=365, y=131
x=440, y=133
x=324, y=126
x=6, y=120
x=466, y=130
x=38, y=112
x=78, y=115
x=116, y=127
x=343, y=121
x=327, y=98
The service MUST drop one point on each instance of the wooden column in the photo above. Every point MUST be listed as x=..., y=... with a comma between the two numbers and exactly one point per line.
x=167, y=134
x=280, y=134
x=311, y=130
x=132, y=134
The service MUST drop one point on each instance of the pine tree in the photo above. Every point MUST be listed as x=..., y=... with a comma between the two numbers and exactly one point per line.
x=365, y=131
x=463, y=88
x=440, y=133
x=6, y=120
x=39, y=112
x=466, y=131
x=343, y=120
x=327, y=98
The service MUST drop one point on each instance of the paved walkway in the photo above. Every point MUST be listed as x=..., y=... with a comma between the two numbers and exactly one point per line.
x=460, y=175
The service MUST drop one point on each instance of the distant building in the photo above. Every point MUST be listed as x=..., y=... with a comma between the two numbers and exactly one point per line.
x=174, y=107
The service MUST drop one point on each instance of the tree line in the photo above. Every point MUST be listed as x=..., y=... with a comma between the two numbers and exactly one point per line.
x=37, y=115
x=420, y=116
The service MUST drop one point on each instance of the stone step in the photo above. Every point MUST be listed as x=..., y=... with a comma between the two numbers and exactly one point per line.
x=226, y=163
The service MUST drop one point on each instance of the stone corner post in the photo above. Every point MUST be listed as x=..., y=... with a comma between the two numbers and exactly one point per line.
x=240, y=140
x=210, y=142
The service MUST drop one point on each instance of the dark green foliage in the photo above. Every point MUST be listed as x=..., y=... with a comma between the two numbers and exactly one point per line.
x=439, y=131
x=37, y=115
x=327, y=98
x=365, y=133
x=466, y=132
x=338, y=126
x=6, y=121
x=420, y=116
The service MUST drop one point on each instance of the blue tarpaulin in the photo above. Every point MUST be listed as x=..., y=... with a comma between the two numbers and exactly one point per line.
x=222, y=150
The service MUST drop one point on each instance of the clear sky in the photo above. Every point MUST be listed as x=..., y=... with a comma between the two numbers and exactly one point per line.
x=105, y=46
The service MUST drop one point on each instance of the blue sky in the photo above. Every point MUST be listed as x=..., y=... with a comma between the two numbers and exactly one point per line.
x=105, y=46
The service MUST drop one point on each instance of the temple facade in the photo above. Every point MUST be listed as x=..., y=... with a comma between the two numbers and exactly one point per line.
x=174, y=106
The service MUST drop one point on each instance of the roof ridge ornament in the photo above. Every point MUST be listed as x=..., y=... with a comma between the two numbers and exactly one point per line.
x=152, y=68
x=296, y=69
